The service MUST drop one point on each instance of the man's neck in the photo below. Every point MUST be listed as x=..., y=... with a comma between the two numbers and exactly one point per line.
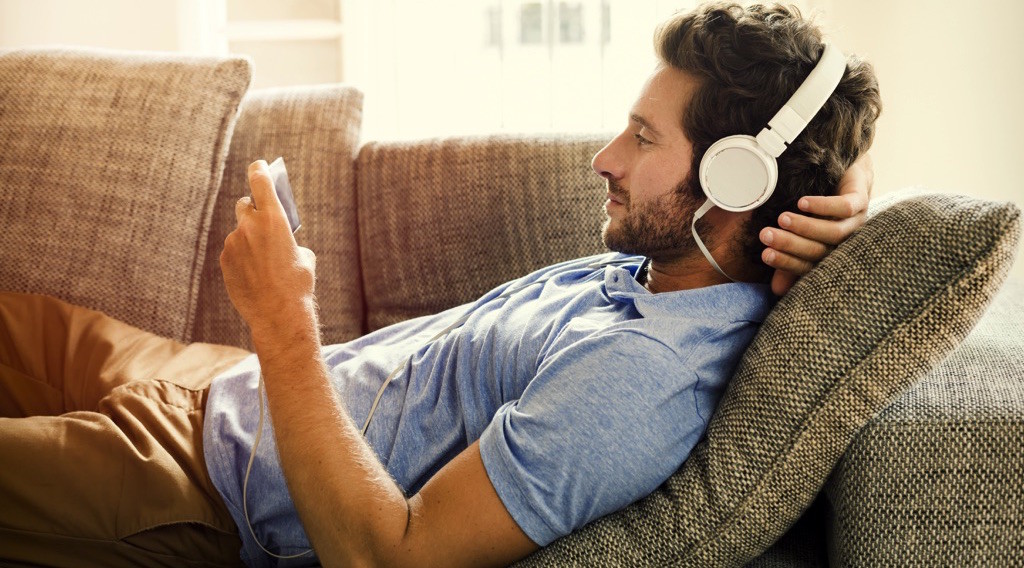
x=681, y=274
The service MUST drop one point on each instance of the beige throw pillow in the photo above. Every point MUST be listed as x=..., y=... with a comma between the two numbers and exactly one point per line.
x=316, y=130
x=109, y=168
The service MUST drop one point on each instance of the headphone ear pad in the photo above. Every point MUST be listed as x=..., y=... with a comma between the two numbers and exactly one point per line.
x=737, y=174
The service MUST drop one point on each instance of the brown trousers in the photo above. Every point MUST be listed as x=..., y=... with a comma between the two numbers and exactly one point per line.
x=101, y=454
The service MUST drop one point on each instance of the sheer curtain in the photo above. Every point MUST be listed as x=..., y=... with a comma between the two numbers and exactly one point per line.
x=448, y=67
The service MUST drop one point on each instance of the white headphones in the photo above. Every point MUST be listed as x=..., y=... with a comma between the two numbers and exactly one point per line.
x=738, y=173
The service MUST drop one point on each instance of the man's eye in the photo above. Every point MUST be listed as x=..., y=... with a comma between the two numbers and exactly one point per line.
x=640, y=140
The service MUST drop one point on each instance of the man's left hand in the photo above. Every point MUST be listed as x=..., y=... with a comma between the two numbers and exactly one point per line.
x=802, y=241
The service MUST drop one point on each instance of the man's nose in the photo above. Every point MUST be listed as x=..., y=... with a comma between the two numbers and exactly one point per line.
x=605, y=164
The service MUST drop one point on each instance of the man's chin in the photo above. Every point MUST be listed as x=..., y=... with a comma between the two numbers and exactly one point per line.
x=607, y=237
x=615, y=242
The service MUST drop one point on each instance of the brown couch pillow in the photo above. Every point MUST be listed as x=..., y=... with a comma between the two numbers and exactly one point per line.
x=316, y=130
x=878, y=313
x=109, y=168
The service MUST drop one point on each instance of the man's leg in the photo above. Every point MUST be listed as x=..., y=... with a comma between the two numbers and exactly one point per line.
x=103, y=463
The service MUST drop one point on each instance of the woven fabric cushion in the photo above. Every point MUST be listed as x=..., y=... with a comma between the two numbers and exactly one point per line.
x=441, y=221
x=316, y=131
x=942, y=466
x=109, y=169
x=880, y=311
x=803, y=545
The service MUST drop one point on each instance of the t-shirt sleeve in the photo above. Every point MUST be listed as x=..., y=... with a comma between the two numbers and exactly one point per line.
x=604, y=422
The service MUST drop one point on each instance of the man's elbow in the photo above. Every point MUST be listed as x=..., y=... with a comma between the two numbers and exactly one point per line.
x=386, y=543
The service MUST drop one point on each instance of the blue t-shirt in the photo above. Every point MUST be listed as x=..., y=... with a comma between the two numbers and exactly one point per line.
x=585, y=390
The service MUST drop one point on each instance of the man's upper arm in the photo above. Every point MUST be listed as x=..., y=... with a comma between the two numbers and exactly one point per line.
x=594, y=431
x=457, y=519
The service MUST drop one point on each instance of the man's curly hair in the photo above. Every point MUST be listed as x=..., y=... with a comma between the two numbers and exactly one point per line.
x=749, y=60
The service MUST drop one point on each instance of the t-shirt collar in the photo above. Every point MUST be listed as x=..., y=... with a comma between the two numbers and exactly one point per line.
x=723, y=301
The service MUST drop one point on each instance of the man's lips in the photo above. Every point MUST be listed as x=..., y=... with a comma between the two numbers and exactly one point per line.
x=613, y=199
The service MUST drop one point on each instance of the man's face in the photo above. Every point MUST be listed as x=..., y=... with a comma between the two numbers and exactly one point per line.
x=646, y=168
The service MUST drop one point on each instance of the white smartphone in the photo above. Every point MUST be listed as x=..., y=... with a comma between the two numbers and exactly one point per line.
x=279, y=174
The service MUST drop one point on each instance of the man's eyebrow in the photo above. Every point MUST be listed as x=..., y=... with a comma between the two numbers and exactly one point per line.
x=645, y=123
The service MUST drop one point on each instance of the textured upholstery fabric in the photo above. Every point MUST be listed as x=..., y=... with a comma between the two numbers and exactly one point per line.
x=316, y=130
x=803, y=545
x=442, y=221
x=940, y=472
x=878, y=313
x=109, y=167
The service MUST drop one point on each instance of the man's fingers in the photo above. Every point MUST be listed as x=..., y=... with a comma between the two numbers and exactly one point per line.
x=242, y=206
x=836, y=206
x=794, y=245
x=859, y=178
x=262, y=187
x=852, y=196
x=782, y=282
x=308, y=257
x=782, y=261
x=804, y=240
x=830, y=232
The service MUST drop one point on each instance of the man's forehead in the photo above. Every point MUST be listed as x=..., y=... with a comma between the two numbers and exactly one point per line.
x=662, y=99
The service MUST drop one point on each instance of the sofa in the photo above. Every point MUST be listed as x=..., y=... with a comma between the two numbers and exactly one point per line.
x=876, y=420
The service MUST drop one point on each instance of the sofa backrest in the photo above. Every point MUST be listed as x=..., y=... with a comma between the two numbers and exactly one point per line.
x=442, y=221
x=316, y=130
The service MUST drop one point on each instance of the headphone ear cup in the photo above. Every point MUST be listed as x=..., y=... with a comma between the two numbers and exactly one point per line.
x=737, y=174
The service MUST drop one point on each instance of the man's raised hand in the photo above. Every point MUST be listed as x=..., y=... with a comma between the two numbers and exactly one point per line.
x=801, y=241
x=269, y=278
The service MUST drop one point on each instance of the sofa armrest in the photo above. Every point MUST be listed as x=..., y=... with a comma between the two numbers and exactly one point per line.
x=936, y=478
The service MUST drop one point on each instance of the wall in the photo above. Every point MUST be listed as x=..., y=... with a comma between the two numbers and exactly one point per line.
x=114, y=24
x=951, y=74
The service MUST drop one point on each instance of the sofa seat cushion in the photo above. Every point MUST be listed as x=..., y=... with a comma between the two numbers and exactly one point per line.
x=316, y=130
x=883, y=309
x=941, y=467
x=109, y=168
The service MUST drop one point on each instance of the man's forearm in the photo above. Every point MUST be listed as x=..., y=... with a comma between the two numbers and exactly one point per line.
x=350, y=508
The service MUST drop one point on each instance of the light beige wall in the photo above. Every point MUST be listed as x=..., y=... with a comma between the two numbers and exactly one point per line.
x=952, y=77
x=114, y=24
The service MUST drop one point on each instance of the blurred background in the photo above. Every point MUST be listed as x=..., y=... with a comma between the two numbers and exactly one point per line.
x=951, y=71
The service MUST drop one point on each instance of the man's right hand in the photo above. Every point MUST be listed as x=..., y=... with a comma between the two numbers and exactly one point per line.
x=269, y=278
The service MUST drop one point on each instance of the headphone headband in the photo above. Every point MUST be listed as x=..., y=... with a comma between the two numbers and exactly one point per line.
x=808, y=99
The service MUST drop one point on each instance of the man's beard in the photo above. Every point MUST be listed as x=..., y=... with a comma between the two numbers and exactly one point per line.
x=658, y=229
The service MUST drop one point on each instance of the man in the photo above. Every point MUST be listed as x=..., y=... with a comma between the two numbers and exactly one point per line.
x=549, y=402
